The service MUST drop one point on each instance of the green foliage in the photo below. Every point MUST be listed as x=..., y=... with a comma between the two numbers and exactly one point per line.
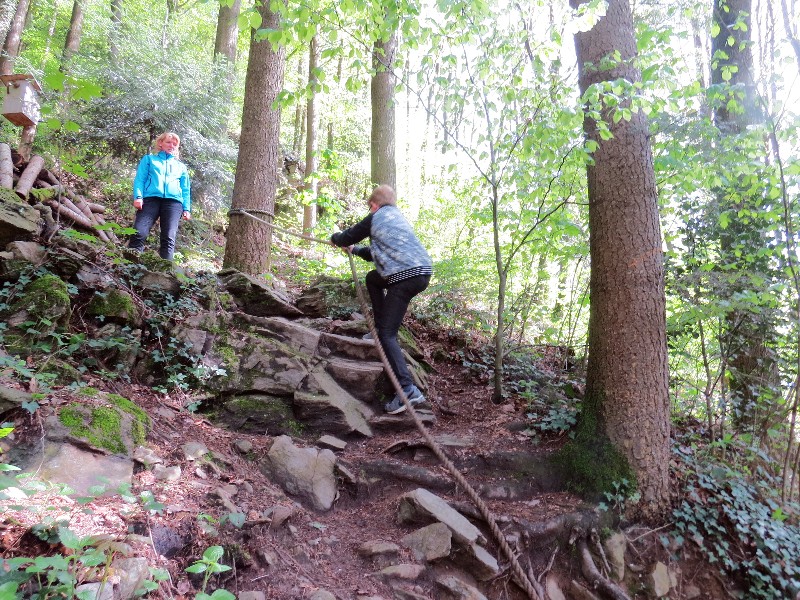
x=57, y=576
x=210, y=565
x=739, y=523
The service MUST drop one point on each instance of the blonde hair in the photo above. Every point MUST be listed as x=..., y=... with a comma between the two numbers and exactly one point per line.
x=383, y=195
x=162, y=137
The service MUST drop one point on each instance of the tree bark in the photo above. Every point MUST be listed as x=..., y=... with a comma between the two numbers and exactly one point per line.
x=73, y=42
x=116, y=26
x=6, y=15
x=227, y=31
x=310, y=186
x=383, y=170
x=627, y=398
x=748, y=335
x=12, y=39
x=28, y=176
x=6, y=167
x=249, y=242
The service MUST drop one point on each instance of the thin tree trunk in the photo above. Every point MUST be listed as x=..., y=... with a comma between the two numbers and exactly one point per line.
x=383, y=169
x=12, y=40
x=116, y=26
x=227, y=31
x=310, y=207
x=73, y=41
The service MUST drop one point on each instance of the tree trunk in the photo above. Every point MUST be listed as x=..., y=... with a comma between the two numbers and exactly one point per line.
x=6, y=15
x=310, y=186
x=12, y=40
x=227, y=31
x=627, y=397
x=748, y=333
x=6, y=167
x=225, y=57
x=383, y=169
x=116, y=25
x=299, y=121
x=73, y=41
x=249, y=241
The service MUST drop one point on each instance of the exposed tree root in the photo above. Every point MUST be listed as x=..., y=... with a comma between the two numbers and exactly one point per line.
x=607, y=588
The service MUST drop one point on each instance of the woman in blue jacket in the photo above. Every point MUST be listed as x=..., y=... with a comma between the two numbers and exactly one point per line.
x=403, y=269
x=161, y=191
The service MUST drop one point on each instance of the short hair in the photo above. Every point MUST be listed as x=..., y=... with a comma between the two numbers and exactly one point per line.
x=164, y=136
x=383, y=195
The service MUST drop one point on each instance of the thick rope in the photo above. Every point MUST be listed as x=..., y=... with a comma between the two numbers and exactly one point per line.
x=522, y=577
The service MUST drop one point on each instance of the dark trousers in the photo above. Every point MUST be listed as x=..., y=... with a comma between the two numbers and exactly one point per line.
x=389, y=305
x=165, y=210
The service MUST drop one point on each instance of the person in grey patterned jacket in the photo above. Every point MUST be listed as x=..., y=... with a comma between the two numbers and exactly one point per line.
x=403, y=269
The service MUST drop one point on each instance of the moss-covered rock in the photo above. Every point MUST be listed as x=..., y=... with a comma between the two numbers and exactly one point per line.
x=58, y=372
x=257, y=413
x=117, y=425
x=18, y=220
x=38, y=310
x=45, y=298
x=329, y=297
x=116, y=306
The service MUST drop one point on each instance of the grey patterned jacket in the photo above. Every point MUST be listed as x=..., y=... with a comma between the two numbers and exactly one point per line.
x=394, y=247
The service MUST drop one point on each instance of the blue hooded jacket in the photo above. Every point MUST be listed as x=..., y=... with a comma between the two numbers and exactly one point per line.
x=163, y=176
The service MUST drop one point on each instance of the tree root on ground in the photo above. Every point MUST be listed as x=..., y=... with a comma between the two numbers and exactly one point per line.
x=607, y=588
x=391, y=469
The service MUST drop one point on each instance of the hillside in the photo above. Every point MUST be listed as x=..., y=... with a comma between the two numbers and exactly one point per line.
x=221, y=412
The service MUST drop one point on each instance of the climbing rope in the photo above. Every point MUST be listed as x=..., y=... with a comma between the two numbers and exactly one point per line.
x=522, y=577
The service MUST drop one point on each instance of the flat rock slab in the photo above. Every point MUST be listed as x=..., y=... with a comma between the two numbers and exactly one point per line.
x=423, y=505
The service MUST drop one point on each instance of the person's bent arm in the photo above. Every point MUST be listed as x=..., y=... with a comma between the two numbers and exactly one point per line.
x=354, y=234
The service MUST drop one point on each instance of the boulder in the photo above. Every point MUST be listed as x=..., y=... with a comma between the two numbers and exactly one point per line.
x=422, y=505
x=329, y=297
x=256, y=297
x=262, y=414
x=116, y=306
x=304, y=472
x=430, y=542
x=18, y=220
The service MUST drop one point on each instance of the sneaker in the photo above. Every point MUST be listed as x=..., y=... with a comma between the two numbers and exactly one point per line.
x=397, y=406
x=367, y=336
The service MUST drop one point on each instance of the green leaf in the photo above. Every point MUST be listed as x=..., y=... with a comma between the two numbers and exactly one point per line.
x=69, y=539
x=197, y=567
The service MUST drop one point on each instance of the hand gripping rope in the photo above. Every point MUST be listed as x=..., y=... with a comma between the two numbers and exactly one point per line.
x=531, y=587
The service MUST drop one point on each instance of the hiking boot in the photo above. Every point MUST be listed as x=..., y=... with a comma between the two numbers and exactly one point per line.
x=397, y=406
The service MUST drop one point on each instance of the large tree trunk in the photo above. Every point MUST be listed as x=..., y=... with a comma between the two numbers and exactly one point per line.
x=383, y=169
x=310, y=186
x=73, y=41
x=627, y=400
x=249, y=241
x=12, y=39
